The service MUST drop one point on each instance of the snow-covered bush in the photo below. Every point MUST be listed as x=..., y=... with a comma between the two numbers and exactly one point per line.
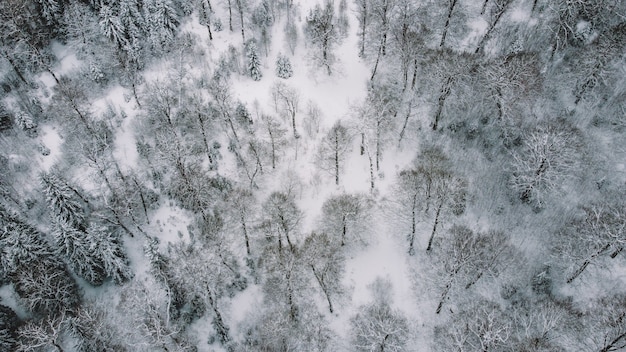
x=283, y=67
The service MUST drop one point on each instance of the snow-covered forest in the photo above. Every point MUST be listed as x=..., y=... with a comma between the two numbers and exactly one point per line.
x=291, y=175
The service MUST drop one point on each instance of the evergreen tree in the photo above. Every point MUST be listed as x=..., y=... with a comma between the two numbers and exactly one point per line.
x=8, y=327
x=39, y=278
x=107, y=246
x=132, y=20
x=283, y=67
x=254, y=64
x=111, y=26
x=63, y=200
x=51, y=11
x=162, y=21
x=76, y=247
x=20, y=244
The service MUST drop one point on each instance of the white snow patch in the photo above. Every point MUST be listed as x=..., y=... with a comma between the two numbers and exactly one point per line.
x=67, y=60
x=9, y=298
x=477, y=29
x=119, y=100
x=51, y=139
x=169, y=223
x=520, y=14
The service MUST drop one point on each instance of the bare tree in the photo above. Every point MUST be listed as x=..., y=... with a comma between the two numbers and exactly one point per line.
x=281, y=219
x=363, y=16
x=377, y=326
x=333, y=149
x=598, y=231
x=242, y=211
x=276, y=136
x=377, y=117
x=467, y=255
x=442, y=189
x=605, y=324
x=451, y=5
x=44, y=335
x=327, y=264
x=286, y=103
x=381, y=12
x=479, y=326
x=345, y=217
x=549, y=155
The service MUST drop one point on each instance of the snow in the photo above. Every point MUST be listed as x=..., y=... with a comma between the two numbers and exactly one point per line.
x=119, y=100
x=66, y=59
x=169, y=224
x=520, y=14
x=51, y=139
x=9, y=298
x=477, y=29
x=336, y=96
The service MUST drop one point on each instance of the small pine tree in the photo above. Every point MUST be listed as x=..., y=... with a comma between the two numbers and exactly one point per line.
x=243, y=115
x=254, y=64
x=25, y=121
x=283, y=67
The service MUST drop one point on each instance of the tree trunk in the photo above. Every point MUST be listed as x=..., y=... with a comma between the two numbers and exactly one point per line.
x=362, y=143
x=378, y=147
x=240, y=9
x=491, y=28
x=534, y=6
x=384, y=343
x=220, y=327
x=406, y=122
x=230, y=15
x=256, y=156
x=444, y=295
x=445, y=27
x=376, y=63
x=471, y=283
x=432, y=236
x=134, y=86
x=445, y=91
x=204, y=139
x=336, y=158
x=273, y=151
x=208, y=27
x=482, y=11
x=363, y=28
x=611, y=345
x=413, y=223
x=414, y=80
x=283, y=224
x=324, y=288
x=344, y=230
x=293, y=310
x=245, y=232
x=143, y=200
x=369, y=156
x=617, y=252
